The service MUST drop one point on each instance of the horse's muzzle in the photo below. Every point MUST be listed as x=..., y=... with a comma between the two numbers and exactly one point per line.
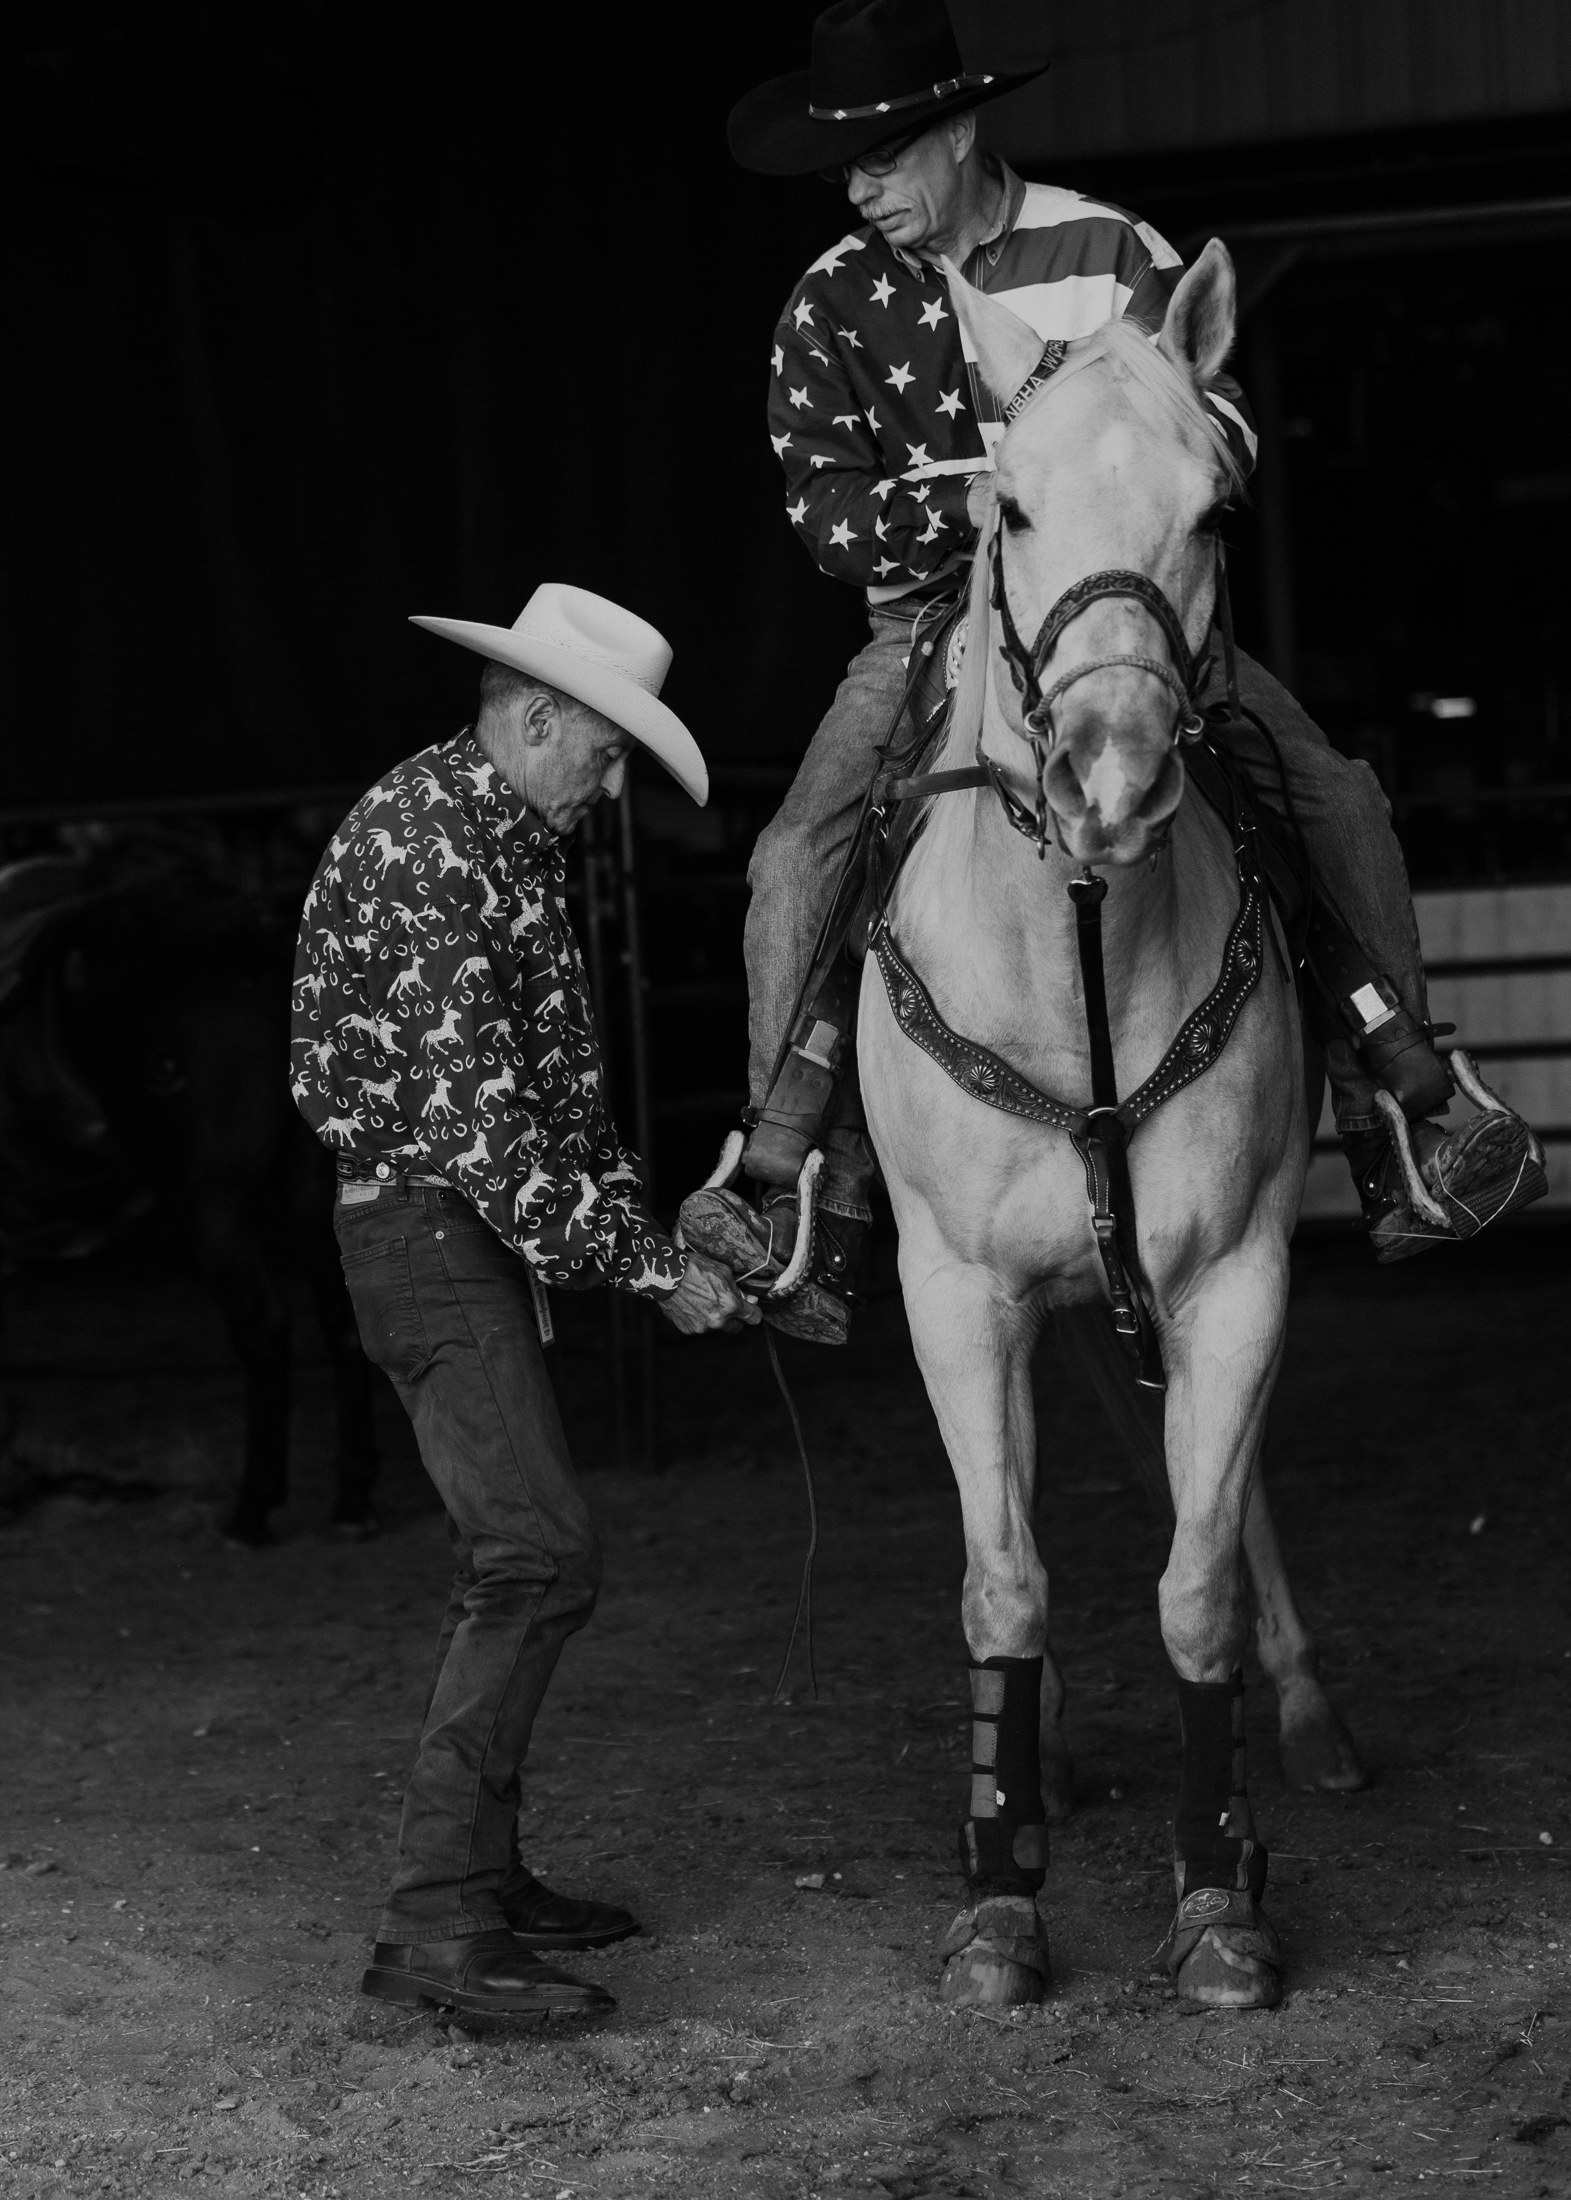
x=1101, y=812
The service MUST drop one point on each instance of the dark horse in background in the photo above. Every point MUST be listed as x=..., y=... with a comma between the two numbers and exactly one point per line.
x=144, y=1003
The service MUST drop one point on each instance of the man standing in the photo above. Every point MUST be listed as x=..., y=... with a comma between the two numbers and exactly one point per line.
x=445, y=1050
x=886, y=437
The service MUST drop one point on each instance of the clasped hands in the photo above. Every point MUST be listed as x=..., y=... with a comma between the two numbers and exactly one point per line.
x=707, y=1298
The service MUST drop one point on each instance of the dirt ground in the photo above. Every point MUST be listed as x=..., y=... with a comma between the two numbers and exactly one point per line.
x=204, y=1749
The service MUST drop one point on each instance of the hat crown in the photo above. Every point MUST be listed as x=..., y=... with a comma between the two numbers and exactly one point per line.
x=597, y=630
x=869, y=52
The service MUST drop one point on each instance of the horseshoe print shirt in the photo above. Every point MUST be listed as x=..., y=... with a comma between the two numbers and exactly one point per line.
x=441, y=1016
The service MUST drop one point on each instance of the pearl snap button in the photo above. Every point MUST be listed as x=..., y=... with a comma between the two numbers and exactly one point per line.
x=382, y=1169
x=441, y=1233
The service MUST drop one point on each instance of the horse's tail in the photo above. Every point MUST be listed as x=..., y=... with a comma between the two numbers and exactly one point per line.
x=1086, y=1337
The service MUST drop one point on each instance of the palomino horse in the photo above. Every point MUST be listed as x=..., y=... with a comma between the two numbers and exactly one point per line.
x=1114, y=469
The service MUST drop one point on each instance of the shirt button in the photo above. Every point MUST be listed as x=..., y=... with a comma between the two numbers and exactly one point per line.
x=382, y=1169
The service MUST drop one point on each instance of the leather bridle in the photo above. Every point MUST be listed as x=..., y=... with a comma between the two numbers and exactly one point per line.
x=1182, y=674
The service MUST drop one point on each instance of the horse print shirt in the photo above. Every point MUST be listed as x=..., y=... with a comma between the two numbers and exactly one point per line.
x=441, y=1016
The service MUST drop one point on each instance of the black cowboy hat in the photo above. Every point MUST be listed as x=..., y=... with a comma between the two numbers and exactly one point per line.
x=881, y=69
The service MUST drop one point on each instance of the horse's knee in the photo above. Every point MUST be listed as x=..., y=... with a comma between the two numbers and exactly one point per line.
x=1205, y=1621
x=1004, y=1606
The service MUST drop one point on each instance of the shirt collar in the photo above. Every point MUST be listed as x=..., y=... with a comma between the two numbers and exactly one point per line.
x=993, y=243
x=498, y=806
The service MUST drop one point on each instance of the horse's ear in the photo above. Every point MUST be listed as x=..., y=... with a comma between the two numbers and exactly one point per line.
x=1007, y=349
x=1202, y=316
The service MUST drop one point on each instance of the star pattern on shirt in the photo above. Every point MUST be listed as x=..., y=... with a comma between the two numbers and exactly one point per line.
x=777, y=359
x=880, y=423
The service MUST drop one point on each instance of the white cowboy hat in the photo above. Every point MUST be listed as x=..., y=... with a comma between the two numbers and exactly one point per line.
x=606, y=657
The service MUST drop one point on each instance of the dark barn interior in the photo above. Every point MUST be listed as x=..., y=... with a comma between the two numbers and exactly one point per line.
x=320, y=317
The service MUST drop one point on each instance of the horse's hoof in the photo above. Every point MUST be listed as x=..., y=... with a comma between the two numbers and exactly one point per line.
x=995, y=1955
x=1223, y=1953
x=1319, y=1753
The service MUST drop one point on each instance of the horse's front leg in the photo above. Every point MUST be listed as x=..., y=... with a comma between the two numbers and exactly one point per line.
x=1317, y=1749
x=1222, y=1346
x=973, y=1344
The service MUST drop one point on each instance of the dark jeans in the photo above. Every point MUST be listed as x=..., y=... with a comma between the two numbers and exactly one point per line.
x=444, y=1310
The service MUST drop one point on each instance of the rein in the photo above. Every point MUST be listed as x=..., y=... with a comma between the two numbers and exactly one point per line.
x=1100, y=1133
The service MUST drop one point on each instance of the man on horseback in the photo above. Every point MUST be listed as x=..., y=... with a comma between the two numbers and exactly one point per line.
x=444, y=1047
x=886, y=433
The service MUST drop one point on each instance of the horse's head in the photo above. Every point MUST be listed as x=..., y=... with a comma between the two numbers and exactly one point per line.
x=1115, y=470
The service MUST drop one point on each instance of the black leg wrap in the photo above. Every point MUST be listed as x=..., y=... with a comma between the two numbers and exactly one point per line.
x=1003, y=1844
x=1213, y=1830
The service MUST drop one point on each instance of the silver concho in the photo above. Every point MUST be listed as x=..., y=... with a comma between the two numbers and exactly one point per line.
x=1204, y=1902
x=982, y=1075
x=1198, y=1042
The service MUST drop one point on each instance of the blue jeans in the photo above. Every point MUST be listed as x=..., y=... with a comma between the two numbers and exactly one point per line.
x=444, y=1310
x=1345, y=817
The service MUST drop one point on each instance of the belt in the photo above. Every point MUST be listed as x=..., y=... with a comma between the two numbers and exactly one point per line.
x=354, y=1168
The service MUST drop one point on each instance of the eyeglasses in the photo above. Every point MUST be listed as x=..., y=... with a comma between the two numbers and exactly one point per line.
x=883, y=160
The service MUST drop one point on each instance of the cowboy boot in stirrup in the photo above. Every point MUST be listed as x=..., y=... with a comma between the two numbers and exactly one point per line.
x=757, y=1245
x=1420, y=1184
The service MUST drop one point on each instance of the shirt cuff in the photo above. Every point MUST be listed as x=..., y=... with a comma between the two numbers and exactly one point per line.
x=660, y=1266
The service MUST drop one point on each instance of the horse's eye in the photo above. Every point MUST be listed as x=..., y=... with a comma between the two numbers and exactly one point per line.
x=1013, y=518
x=1210, y=523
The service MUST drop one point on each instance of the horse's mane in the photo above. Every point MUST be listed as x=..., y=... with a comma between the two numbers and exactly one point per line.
x=1130, y=345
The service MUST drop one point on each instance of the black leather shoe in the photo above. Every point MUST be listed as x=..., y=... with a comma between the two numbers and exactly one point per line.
x=541, y=1919
x=489, y=1974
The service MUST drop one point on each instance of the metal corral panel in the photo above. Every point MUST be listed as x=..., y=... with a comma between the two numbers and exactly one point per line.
x=1150, y=75
x=1499, y=962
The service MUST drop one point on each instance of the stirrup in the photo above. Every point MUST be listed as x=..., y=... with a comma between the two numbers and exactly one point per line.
x=795, y=1272
x=724, y=1174
x=1420, y=1197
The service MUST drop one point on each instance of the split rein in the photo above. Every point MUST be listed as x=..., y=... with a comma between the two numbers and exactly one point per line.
x=1101, y=1132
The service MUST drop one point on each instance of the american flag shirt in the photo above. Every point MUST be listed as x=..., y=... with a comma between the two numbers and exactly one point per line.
x=441, y=1016
x=875, y=409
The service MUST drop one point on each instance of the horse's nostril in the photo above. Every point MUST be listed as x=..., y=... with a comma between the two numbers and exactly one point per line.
x=1062, y=784
x=1164, y=794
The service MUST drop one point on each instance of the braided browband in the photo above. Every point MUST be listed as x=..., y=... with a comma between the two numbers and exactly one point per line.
x=1046, y=367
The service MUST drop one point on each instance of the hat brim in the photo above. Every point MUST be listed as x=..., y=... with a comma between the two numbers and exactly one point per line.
x=651, y=723
x=771, y=130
